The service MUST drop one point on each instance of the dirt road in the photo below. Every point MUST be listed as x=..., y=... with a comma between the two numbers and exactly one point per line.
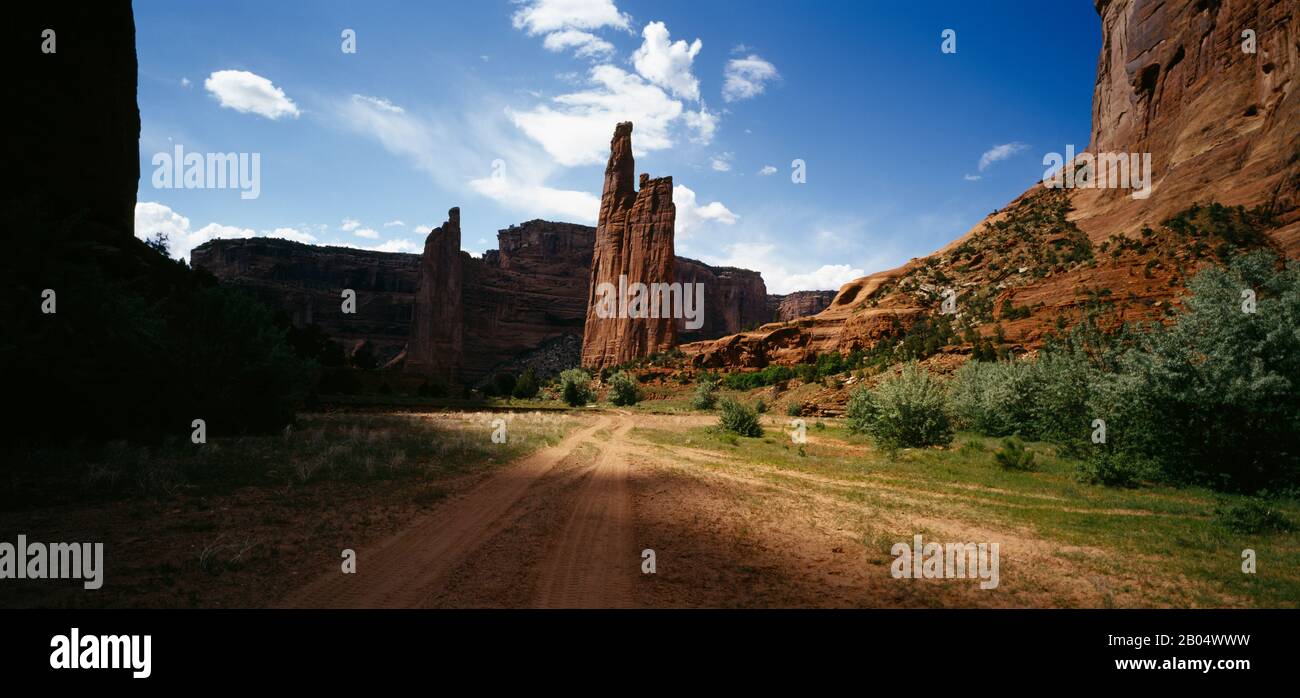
x=567, y=527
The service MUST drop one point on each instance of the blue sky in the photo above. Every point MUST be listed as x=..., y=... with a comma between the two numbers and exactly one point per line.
x=506, y=109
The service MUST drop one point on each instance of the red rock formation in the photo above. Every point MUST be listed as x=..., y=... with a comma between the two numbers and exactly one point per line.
x=1220, y=123
x=735, y=300
x=1172, y=80
x=437, y=344
x=305, y=281
x=798, y=304
x=634, y=245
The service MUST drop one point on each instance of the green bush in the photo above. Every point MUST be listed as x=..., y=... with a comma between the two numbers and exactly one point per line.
x=526, y=387
x=1214, y=398
x=760, y=406
x=1112, y=468
x=706, y=395
x=739, y=419
x=1251, y=516
x=623, y=390
x=575, y=387
x=1013, y=456
x=995, y=399
x=904, y=411
x=794, y=409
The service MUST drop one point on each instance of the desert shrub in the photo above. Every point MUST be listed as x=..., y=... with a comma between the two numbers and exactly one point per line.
x=1251, y=515
x=1062, y=382
x=1112, y=467
x=760, y=406
x=757, y=379
x=994, y=399
x=739, y=419
x=706, y=395
x=526, y=387
x=623, y=390
x=903, y=411
x=1214, y=398
x=1013, y=455
x=794, y=409
x=575, y=387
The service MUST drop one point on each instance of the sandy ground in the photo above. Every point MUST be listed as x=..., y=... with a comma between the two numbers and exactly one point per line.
x=570, y=526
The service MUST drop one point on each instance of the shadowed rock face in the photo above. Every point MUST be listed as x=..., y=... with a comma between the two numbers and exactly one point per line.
x=634, y=244
x=306, y=282
x=1172, y=80
x=798, y=304
x=79, y=147
x=437, y=344
x=531, y=290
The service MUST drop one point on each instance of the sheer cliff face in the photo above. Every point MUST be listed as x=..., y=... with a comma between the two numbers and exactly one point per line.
x=634, y=245
x=532, y=289
x=734, y=299
x=1219, y=123
x=1174, y=80
x=798, y=304
x=437, y=344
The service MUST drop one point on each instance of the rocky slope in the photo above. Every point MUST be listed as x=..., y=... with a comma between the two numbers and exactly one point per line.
x=1220, y=125
x=634, y=245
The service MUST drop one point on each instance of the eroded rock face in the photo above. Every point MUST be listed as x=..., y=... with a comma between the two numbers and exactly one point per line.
x=306, y=282
x=634, y=244
x=1220, y=125
x=523, y=295
x=735, y=300
x=798, y=304
x=437, y=345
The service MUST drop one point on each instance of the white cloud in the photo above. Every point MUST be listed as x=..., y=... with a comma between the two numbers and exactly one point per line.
x=747, y=77
x=546, y=16
x=1000, y=152
x=250, y=93
x=704, y=122
x=765, y=258
x=152, y=217
x=767, y=170
x=394, y=224
x=399, y=245
x=379, y=103
x=721, y=162
x=690, y=215
x=972, y=178
x=667, y=63
x=576, y=130
x=350, y=224
x=185, y=82
x=478, y=141
x=369, y=233
x=585, y=44
x=541, y=200
x=291, y=234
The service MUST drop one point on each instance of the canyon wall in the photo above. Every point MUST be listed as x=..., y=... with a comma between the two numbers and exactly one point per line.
x=798, y=304
x=526, y=293
x=1219, y=122
x=634, y=244
x=734, y=299
x=1173, y=81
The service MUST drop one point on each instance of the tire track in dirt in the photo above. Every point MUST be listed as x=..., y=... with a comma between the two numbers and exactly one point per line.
x=402, y=571
x=593, y=562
